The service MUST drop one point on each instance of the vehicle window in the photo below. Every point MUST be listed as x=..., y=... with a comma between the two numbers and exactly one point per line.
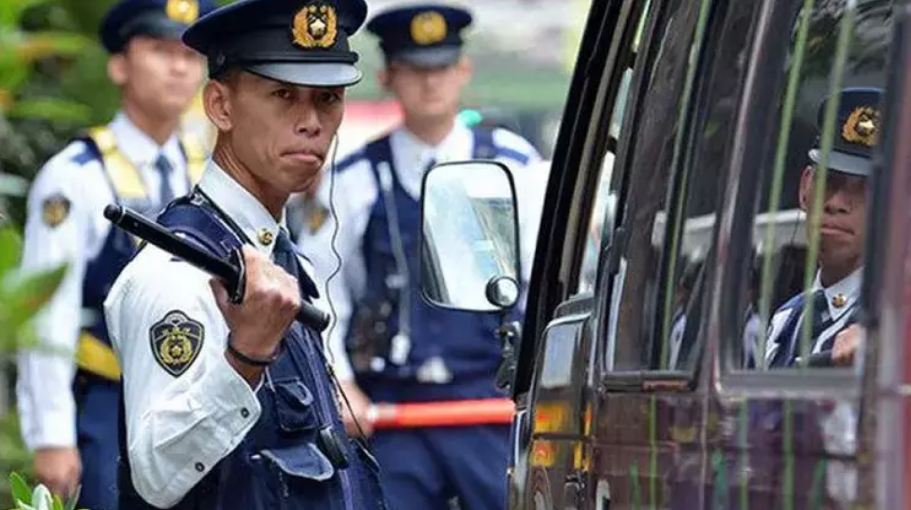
x=675, y=33
x=801, y=291
x=601, y=219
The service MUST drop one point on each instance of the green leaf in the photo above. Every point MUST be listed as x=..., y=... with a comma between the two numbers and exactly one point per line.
x=10, y=250
x=11, y=11
x=41, y=498
x=50, y=109
x=39, y=45
x=58, y=503
x=13, y=185
x=71, y=504
x=20, y=490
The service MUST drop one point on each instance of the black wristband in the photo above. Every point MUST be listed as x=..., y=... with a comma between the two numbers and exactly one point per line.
x=247, y=360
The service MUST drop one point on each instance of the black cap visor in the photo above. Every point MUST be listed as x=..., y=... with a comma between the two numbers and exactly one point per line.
x=845, y=163
x=437, y=56
x=307, y=74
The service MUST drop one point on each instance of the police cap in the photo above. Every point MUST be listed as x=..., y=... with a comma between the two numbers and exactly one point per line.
x=303, y=42
x=158, y=18
x=857, y=130
x=425, y=35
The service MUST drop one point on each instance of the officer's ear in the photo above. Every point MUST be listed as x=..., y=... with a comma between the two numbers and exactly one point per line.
x=806, y=187
x=466, y=69
x=216, y=99
x=383, y=78
x=117, y=69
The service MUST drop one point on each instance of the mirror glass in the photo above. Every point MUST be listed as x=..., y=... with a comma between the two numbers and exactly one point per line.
x=470, y=235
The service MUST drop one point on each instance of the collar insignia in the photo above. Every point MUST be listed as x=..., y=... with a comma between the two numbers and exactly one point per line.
x=315, y=26
x=428, y=28
x=839, y=300
x=182, y=11
x=176, y=341
x=862, y=126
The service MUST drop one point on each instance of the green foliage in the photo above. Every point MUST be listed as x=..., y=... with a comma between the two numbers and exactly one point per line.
x=38, y=499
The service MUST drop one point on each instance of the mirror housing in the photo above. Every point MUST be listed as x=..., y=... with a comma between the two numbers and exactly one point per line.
x=470, y=237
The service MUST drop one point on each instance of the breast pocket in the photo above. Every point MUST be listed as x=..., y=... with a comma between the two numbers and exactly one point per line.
x=295, y=407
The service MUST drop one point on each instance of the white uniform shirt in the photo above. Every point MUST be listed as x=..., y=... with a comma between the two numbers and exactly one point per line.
x=848, y=289
x=178, y=428
x=356, y=192
x=47, y=411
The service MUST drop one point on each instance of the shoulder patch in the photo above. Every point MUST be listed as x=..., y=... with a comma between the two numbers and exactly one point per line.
x=55, y=209
x=176, y=341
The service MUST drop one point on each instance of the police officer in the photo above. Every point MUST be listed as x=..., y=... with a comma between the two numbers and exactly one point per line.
x=68, y=407
x=836, y=289
x=402, y=349
x=229, y=406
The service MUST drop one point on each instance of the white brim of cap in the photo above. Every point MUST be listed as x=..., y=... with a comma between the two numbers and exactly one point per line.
x=308, y=74
x=845, y=163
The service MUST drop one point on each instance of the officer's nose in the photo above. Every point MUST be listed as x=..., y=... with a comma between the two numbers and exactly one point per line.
x=308, y=120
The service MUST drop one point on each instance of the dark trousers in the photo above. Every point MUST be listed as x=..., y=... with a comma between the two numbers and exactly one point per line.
x=97, y=402
x=422, y=469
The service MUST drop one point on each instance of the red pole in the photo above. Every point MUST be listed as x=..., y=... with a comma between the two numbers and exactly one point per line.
x=442, y=414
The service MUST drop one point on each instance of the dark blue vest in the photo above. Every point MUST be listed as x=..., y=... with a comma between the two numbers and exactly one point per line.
x=465, y=341
x=280, y=463
x=117, y=251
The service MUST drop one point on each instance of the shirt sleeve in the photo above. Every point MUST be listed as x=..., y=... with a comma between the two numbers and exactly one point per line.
x=57, y=231
x=341, y=278
x=186, y=409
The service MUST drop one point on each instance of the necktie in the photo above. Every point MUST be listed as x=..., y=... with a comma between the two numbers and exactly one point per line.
x=822, y=319
x=165, y=193
x=284, y=254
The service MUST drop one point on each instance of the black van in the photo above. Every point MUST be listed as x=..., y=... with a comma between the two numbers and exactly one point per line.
x=674, y=235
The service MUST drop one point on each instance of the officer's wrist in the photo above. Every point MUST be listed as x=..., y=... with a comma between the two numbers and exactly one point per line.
x=250, y=374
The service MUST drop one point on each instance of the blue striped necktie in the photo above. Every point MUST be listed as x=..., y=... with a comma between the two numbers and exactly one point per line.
x=165, y=192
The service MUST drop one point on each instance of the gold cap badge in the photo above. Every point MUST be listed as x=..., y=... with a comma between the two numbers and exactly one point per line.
x=182, y=11
x=266, y=237
x=315, y=26
x=839, y=300
x=428, y=28
x=862, y=126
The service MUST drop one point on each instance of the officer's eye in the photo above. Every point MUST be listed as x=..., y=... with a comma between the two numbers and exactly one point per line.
x=283, y=93
x=329, y=97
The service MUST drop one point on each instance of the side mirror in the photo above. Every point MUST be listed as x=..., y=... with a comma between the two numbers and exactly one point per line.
x=470, y=237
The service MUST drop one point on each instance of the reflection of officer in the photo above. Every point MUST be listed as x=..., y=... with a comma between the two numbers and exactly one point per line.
x=138, y=160
x=841, y=236
x=229, y=406
x=405, y=349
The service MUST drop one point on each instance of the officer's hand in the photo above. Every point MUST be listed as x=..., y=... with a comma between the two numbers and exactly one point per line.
x=59, y=469
x=271, y=301
x=846, y=344
x=359, y=406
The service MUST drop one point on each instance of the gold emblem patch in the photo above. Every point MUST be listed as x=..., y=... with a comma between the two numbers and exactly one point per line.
x=315, y=26
x=182, y=11
x=428, y=28
x=862, y=126
x=54, y=210
x=176, y=341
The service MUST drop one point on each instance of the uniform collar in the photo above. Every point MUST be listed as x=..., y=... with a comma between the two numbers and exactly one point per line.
x=241, y=206
x=844, y=292
x=139, y=148
x=418, y=153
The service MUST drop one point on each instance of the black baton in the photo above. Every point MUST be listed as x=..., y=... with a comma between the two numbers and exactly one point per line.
x=230, y=271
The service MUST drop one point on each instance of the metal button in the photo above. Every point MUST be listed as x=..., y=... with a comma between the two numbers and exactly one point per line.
x=200, y=467
x=839, y=300
x=244, y=413
x=266, y=237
